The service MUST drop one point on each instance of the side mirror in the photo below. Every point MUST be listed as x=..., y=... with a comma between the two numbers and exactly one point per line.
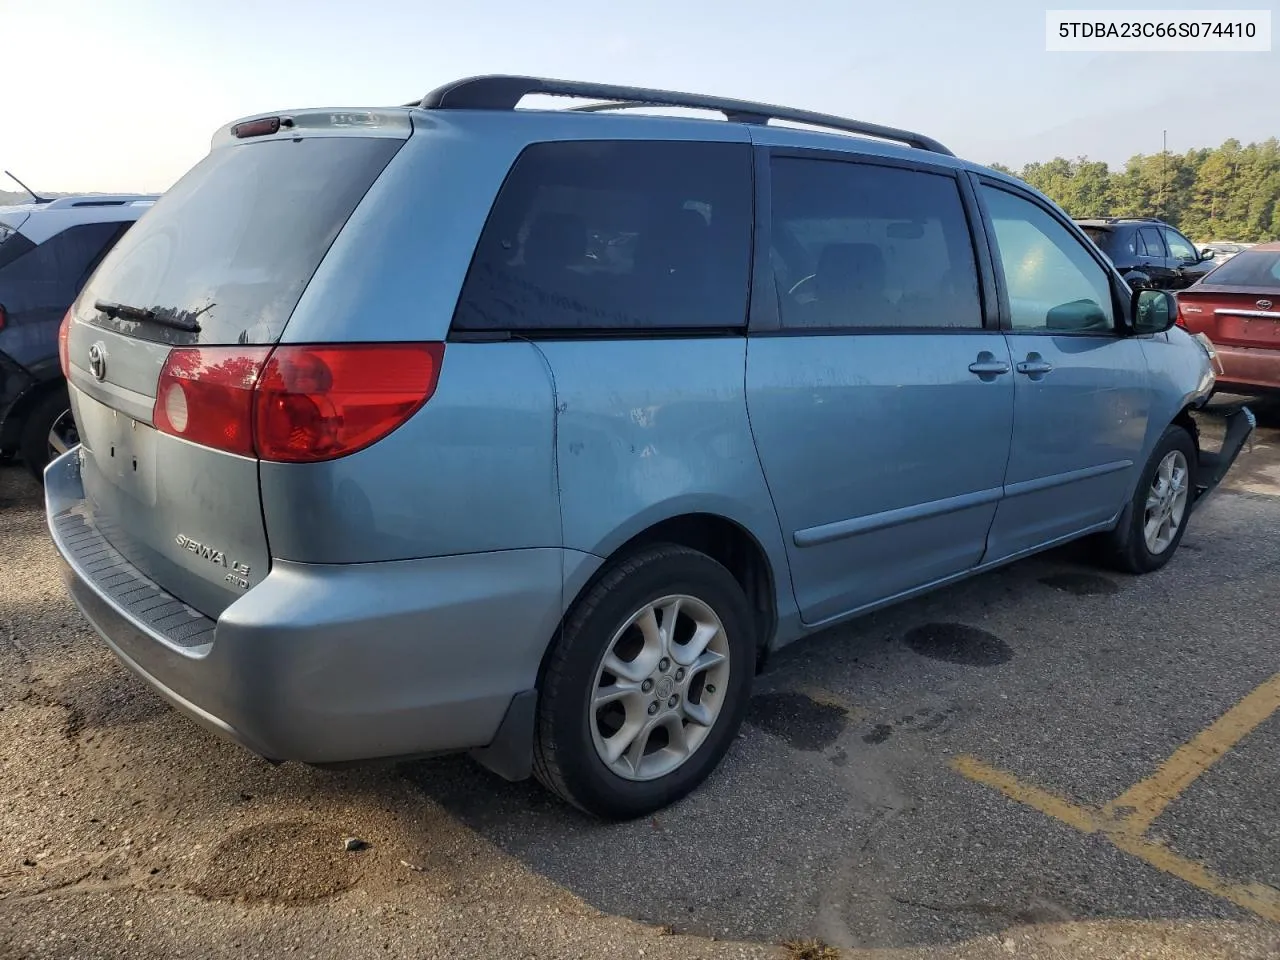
x=1153, y=311
x=1207, y=254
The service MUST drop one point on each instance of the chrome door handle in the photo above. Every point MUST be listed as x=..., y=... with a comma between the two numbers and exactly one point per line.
x=1035, y=366
x=987, y=366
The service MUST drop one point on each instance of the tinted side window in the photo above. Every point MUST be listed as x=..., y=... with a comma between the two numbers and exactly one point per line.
x=615, y=235
x=1152, y=245
x=859, y=245
x=1179, y=246
x=1053, y=282
x=51, y=274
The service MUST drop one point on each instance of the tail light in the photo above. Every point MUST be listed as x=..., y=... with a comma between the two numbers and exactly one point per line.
x=296, y=404
x=3, y=318
x=64, y=333
x=1178, y=318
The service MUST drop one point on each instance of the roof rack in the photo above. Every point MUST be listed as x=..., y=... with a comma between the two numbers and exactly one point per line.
x=500, y=92
x=100, y=200
x=1122, y=219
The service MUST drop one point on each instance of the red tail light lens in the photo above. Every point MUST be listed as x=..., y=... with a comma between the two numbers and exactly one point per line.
x=64, y=333
x=318, y=403
x=205, y=395
x=291, y=403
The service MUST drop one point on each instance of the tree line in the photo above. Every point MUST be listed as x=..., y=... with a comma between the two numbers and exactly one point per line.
x=1231, y=192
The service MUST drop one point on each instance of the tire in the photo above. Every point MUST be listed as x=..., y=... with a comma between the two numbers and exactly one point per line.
x=1127, y=547
x=570, y=736
x=38, y=423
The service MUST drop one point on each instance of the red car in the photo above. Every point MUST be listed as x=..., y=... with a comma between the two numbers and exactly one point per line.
x=1237, y=306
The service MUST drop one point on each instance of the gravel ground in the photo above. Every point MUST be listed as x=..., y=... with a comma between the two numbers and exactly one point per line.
x=130, y=832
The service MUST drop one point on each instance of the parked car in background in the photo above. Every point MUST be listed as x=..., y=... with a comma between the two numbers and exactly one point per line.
x=1148, y=253
x=385, y=453
x=48, y=249
x=1238, y=308
x=1223, y=250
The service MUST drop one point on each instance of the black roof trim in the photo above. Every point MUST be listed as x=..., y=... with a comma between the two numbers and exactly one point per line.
x=500, y=92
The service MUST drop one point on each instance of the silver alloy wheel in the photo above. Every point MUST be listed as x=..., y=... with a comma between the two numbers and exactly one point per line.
x=1166, y=502
x=659, y=688
x=63, y=435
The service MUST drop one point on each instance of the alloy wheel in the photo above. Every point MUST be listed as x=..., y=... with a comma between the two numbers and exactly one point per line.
x=660, y=687
x=1166, y=502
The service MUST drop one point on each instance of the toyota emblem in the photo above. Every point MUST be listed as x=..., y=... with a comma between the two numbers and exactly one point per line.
x=1264, y=304
x=98, y=361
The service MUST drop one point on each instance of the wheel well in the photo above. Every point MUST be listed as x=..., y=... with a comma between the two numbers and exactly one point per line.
x=732, y=547
x=16, y=416
x=1188, y=423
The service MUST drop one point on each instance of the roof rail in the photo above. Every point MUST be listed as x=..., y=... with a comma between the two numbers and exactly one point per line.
x=500, y=92
x=100, y=200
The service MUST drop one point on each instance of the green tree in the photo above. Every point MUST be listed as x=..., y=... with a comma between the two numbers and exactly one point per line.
x=1230, y=192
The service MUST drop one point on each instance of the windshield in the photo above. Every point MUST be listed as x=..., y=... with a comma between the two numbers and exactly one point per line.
x=236, y=240
x=1249, y=268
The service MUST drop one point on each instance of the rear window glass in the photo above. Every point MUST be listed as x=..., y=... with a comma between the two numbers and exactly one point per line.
x=615, y=235
x=235, y=241
x=1251, y=268
x=1107, y=240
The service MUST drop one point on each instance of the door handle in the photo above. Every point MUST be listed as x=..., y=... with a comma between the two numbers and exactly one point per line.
x=1035, y=366
x=987, y=367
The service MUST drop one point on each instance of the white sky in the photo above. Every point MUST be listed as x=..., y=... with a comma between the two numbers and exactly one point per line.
x=124, y=94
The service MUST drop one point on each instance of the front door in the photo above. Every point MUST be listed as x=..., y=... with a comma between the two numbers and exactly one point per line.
x=1185, y=258
x=881, y=406
x=1081, y=396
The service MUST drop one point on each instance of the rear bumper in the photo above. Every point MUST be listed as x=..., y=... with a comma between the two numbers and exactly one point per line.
x=1239, y=423
x=1249, y=369
x=324, y=663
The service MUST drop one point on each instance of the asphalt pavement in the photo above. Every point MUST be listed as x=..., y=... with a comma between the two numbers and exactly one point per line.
x=933, y=780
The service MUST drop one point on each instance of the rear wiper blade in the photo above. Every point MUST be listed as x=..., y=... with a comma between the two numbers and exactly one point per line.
x=182, y=320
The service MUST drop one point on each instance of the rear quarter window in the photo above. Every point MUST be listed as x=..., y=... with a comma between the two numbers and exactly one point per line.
x=50, y=274
x=615, y=236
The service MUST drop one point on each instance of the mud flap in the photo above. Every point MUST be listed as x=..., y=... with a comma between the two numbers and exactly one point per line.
x=1214, y=465
x=510, y=755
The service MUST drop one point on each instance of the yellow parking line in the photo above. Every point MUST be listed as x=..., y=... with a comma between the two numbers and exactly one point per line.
x=1256, y=897
x=1139, y=806
x=1013, y=788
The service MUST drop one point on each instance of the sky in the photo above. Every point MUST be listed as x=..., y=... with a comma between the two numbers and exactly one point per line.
x=118, y=95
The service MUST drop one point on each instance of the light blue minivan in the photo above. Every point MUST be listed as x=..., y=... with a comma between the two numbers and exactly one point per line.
x=457, y=426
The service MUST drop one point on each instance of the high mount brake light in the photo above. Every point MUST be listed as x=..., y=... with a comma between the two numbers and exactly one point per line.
x=259, y=128
x=295, y=404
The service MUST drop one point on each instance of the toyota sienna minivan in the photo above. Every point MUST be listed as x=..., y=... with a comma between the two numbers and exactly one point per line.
x=529, y=432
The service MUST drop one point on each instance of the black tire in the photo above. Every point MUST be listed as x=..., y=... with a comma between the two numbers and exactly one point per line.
x=1125, y=548
x=36, y=426
x=565, y=757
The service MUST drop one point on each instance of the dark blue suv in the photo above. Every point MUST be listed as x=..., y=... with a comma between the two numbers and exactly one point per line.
x=48, y=249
